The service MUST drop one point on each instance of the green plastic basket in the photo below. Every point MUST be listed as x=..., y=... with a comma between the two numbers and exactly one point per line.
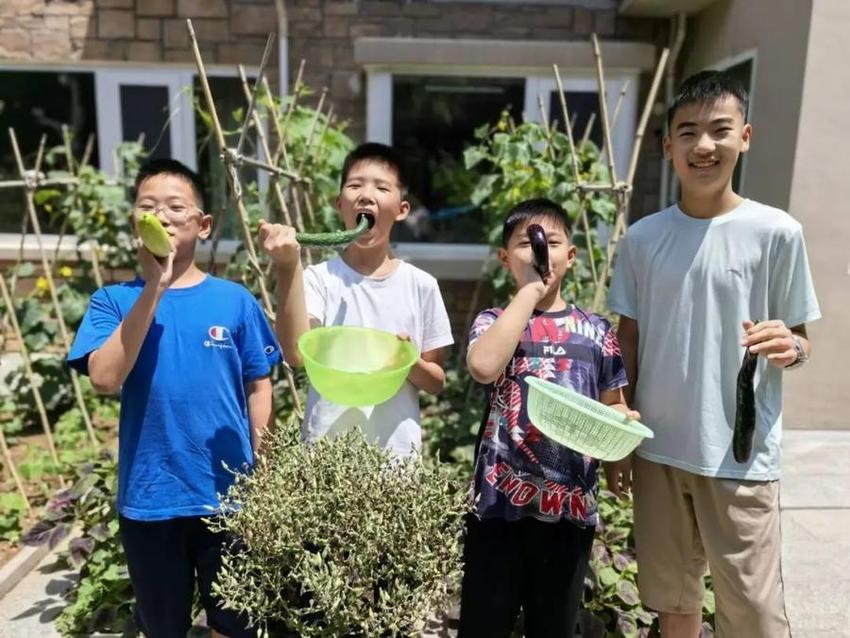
x=582, y=424
x=354, y=366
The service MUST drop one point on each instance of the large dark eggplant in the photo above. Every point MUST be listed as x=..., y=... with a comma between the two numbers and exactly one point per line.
x=539, y=248
x=745, y=408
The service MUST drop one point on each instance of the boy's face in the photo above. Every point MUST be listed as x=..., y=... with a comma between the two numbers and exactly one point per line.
x=704, y=143
x=518, y=257
x=372, y=187
x=173, y=200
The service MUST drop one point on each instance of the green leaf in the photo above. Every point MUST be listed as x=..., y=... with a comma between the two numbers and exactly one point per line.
x=472, y=156
x=628, y=593
x=608, y=576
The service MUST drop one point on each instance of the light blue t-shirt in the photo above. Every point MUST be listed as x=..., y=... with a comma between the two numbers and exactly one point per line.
x=690, y=283
x=183, y=406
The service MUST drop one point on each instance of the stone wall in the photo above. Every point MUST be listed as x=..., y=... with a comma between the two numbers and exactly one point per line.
x=229, y=31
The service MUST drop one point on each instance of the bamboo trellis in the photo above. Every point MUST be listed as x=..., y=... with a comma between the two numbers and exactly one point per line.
x=620, y=190
x=294, y=197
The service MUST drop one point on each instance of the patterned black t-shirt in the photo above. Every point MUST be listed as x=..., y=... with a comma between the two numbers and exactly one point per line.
x=519, y=472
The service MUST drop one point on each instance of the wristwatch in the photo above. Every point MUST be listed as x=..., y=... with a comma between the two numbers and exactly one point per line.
x=802, y=357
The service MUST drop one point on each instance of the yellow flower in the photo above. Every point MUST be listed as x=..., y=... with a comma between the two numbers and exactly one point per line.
x=41, y=285
x=65, y=271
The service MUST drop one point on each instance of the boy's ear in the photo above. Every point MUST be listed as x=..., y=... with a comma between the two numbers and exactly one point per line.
x=665, y=142
x=403, y=210
x=571, y=255
x=206, y=225
x=502, y=254
x=746, y=134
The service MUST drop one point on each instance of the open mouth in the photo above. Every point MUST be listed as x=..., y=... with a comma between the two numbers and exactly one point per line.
x=369, y=215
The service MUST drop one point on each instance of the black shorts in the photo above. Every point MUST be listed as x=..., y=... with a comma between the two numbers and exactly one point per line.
x=528, y=564
x=166, y=559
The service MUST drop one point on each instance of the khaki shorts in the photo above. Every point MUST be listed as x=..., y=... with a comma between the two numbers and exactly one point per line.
x=685, y=522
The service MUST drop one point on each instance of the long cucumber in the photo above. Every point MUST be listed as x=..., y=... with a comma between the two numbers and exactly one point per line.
x=337, y=238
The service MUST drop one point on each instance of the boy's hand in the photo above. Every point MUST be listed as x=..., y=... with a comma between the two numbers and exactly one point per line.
x=619, y=476
x=771, y=339
x=532, y=280
x=631, y=415
x=279, y=243
x=156, y=271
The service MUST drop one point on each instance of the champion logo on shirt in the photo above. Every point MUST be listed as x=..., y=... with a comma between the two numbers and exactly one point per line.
x=219, y=337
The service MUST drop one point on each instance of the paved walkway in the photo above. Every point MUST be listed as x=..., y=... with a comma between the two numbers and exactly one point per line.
x=815, y=547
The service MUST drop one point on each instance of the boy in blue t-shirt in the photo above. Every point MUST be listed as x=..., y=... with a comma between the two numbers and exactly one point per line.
x=191, y=356
x=528, y=542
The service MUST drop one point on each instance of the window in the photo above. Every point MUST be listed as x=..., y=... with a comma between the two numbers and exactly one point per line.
x=118, y=105
x=36, y=103
x=434, y=118
x=430, y=117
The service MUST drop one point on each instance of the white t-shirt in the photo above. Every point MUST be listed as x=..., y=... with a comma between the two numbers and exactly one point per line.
x=407, y=300
x=690, y=283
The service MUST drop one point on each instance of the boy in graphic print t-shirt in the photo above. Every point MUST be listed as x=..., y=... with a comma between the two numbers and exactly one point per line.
x=529, y=539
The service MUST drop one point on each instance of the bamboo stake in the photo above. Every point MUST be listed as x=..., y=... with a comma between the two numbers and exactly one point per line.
x=230, y=169
x=34, y=389
x=252, y=101
x=281, y=127
x=236, y=190
x=625, y=196
x=7, y=457
x=87, y=152
x=264, y=144
x=63, y=329
x=587, y=129
x=619, y=104
x=545, y=124
x=40, y=155
x=69, y=154
x=280, y=132
x=95, y=262
x=574, y=157
x=603, y=110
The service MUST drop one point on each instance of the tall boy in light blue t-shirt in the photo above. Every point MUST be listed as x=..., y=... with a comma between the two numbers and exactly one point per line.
x=689, y=285
x=191, y=356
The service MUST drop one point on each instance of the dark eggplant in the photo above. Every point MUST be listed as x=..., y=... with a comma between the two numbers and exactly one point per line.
x=540, y=249
x=745, y=409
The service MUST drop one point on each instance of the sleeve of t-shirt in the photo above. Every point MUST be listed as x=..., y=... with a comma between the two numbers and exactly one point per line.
x=314, y=294
x=101, y=319
x=612, y=372
x=482, y=323
x=622, y=296
x=791, y=293
x=437, y=329
x=259, y=350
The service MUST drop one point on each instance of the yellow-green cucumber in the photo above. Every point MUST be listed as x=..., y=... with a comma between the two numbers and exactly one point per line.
x=153, y=235
x=337, y=238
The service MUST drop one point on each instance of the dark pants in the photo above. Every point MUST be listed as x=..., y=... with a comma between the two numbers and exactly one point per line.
x=165, y=558
x=526, y=564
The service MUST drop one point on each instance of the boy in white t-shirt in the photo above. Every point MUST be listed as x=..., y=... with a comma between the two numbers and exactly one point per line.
x=690, y=283
x=368, y=287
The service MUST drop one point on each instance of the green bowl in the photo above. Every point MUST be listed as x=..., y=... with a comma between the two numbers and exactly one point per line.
x=356, y=366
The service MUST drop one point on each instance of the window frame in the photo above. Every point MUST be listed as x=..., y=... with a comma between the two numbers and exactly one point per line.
x=379, y=123
x=107, y=79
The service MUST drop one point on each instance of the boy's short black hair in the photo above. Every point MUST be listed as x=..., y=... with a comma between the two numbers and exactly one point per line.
x=170, y=167
x=380, y=153
x=534, y=209
x=708, y=87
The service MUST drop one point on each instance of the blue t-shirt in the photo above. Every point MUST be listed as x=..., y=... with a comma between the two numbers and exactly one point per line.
x=519, y=472
x=184, y=411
